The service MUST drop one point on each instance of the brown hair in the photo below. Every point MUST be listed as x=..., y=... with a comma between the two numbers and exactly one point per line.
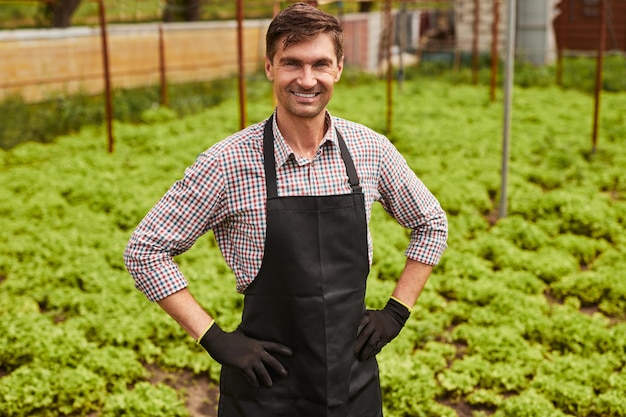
x=301, y=22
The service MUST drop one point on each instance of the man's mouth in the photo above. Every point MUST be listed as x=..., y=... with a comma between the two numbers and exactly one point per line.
x=305, y=95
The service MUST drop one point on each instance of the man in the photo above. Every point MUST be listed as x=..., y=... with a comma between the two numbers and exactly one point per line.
x=289, y=200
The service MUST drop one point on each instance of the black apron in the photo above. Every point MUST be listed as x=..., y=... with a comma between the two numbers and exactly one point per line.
x=309, y=295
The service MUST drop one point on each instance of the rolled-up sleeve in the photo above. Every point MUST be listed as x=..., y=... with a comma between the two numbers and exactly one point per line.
x=408, y=200
x=187, y=211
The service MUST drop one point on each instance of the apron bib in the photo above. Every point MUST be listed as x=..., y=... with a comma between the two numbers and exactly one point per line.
x=309, y=295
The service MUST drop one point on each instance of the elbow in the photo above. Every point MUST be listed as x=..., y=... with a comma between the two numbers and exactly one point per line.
x=444, y=226
x=129, y=253
x=438, y=224
x=133, y=256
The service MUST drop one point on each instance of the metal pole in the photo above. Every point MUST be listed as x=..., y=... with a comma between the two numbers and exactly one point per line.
x=164, y=99
x=242, y=80
x=107, y=75
x=599, y=65
x=508, y=96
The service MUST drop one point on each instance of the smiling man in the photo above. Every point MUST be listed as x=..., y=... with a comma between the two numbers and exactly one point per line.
x=304, y=78
x=289, y=201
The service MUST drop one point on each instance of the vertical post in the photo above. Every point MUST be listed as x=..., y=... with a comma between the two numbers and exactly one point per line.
x=475, y=27
x=494, y=49
x=107, y=75
x=164, y=98
x=276, y=8
x=242, y=80
x=599, y=65
x=388, y=44
x=508, y=95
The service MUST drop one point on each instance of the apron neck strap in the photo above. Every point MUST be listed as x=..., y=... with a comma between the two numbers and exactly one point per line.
x=270, y=161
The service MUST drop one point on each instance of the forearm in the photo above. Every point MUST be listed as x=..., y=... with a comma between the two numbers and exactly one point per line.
x=411, y=282
x=187, y=312
x=379, y=327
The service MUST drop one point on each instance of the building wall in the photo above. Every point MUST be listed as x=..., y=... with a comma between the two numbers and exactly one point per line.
x=38, y=63
x=356, y=30
x=578, y=25
x=535, y=40
x=362, y=32
x=464, y=16
x=535, y=34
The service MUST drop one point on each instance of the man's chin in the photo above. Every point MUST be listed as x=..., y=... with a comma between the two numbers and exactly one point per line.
x=307, y=111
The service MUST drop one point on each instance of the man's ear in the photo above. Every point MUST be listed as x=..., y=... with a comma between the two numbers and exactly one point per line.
x=268, y=69
x=339, y=70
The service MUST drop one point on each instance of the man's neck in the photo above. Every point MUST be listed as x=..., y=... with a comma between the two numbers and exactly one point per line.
x=303, y=135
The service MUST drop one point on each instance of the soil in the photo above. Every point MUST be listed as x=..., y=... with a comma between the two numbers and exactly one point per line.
x=201, y=394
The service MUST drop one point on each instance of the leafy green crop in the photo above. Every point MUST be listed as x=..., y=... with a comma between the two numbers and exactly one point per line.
x=524, y=316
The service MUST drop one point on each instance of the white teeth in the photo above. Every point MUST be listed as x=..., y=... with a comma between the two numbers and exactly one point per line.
x=303, y=95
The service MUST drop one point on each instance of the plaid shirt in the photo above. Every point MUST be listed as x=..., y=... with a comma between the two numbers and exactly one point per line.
x=224, y=191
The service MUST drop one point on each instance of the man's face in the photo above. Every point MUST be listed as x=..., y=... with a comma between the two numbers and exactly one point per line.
x=304, y=75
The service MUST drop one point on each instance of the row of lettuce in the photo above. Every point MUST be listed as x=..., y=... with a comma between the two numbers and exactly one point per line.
x=525, y=315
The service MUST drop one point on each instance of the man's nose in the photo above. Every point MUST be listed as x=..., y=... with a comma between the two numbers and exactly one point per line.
x=307, y=77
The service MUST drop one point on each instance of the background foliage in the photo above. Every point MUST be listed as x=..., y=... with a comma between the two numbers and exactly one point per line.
x=525, y=316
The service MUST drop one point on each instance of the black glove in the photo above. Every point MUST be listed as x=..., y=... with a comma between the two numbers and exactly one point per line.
x=379, y=327
x=249, y=356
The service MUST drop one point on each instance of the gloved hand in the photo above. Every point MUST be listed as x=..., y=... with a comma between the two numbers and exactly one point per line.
x=250, y=356
x=379, y=327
